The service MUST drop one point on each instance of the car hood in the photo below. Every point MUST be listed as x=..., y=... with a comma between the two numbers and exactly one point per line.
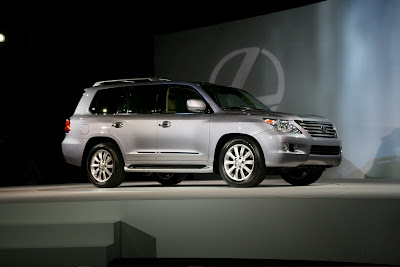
x=280, y=115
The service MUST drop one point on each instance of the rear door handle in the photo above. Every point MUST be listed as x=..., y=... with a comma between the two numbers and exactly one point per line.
x=165, y=124
x=117, y=124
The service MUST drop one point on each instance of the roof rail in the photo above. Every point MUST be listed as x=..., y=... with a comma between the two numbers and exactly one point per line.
x=132, y=80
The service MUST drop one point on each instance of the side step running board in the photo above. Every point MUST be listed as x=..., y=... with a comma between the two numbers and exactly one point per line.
x=169, y=168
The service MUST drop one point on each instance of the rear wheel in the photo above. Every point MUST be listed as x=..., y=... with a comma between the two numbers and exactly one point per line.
x=302, y=176
x=105, y=165
x=169, y=178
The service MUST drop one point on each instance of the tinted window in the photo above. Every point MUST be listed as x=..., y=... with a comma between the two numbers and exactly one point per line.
x=176, y=98
x=107, y=101
x=141, y=100
x=230, y=98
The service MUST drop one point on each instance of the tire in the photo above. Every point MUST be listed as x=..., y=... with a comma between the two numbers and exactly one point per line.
x=105, y=165
x=302, y=176
x=241, y=163
x=169, y=178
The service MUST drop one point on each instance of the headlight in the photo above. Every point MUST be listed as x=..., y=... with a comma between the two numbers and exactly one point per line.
x=283, y=126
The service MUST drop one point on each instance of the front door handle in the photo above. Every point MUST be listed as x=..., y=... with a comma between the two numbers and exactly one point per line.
x=117, y=124
x=165, y=124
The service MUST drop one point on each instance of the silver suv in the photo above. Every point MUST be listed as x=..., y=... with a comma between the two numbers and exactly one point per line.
x=170, y=129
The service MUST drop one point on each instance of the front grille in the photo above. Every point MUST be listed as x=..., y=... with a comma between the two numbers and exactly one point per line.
x=325, y=150
x=318, y=128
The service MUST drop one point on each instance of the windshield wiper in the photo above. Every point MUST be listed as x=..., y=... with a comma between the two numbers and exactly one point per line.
x=240, y=108
x=235, y=108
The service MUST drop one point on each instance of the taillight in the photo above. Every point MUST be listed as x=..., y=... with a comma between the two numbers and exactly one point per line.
x=67, y=125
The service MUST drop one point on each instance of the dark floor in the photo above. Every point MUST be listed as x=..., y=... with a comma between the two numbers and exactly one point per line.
x=225, y=263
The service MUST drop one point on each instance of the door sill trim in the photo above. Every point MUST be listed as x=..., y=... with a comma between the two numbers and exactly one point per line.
x=169, y=168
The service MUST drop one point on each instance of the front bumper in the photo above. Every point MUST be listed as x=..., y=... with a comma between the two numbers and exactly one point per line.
x=294, y=150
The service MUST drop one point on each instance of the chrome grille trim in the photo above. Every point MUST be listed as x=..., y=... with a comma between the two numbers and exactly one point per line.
x=318, y=129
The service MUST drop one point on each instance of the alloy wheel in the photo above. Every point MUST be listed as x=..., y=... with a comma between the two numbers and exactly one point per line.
x=239, y=162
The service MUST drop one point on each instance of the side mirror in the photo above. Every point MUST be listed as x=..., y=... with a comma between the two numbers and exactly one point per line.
x=196, y=105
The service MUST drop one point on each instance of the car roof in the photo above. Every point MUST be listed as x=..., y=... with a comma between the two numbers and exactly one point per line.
x=109, y=84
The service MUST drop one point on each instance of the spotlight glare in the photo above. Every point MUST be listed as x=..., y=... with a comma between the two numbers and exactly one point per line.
x=2, y=38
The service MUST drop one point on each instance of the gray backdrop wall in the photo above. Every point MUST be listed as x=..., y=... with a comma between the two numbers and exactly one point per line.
x=339, y=59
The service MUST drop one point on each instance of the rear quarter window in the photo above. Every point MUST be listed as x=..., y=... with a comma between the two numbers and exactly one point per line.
x=107, y=101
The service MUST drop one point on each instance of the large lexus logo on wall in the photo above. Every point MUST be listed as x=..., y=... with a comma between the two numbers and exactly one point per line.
x=250, y=56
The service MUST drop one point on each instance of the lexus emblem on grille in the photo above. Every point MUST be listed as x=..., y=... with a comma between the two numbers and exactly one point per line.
x=324, y=129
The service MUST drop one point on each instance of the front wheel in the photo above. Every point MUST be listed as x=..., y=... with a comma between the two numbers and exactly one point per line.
x=169, y=178
x=302, y=176
x=241, y=163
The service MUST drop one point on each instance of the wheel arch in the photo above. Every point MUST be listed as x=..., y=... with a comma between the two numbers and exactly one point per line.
x=95, y=141
x=223, y=140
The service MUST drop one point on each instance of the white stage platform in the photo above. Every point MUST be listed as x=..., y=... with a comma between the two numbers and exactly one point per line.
x=348, y=220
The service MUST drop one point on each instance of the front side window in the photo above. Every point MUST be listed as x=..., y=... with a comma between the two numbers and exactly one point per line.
x=176, y=98
x=107, y=101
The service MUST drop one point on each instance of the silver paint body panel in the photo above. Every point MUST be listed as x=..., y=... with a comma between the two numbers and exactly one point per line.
x=187, y=142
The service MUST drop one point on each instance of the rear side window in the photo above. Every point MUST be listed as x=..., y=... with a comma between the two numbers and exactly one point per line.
x=107, y=101
x=141, y=100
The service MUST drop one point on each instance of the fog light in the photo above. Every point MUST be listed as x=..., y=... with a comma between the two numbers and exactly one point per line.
x=288, y=147
x=285, y=147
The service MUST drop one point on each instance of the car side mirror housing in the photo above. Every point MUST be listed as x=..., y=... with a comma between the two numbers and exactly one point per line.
x=196, y=105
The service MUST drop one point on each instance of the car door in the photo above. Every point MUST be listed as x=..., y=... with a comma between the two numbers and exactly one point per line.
x=182, y=136
x=135, y=126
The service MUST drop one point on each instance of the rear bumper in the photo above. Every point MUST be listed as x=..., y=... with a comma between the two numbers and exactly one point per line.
x=72, y=149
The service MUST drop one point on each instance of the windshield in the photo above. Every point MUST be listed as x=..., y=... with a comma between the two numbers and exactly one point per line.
x=232, y=98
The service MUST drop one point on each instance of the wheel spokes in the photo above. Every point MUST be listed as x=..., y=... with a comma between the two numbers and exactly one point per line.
x=102, y=165
x=239, y=162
